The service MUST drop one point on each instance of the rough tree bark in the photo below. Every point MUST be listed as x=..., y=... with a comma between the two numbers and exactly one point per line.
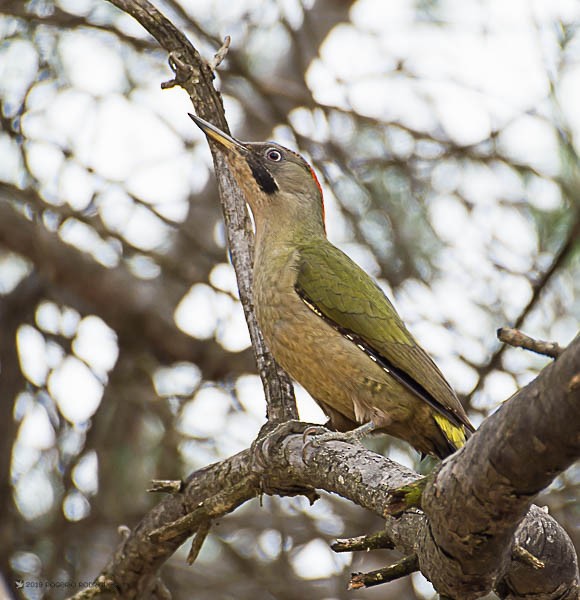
x=478, y=513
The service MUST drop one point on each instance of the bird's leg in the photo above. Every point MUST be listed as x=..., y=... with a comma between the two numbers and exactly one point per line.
x=270, y=436
x=354, y=436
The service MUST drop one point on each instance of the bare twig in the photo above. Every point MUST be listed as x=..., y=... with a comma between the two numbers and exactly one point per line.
x=525, y=556
x=197, y=542
x=402, y=568
x=182, y=71
x=381, y=539
x=172, y=486
x=214, y=506
x=220, y=55
x=518, y=339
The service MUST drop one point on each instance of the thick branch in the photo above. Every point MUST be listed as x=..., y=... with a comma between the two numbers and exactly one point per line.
x=479, y=496
x=466, y=543
x=475, y=505
x=350, y=471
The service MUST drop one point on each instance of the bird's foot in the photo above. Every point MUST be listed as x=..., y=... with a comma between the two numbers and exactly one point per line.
x=354, y=436
x=271, y=436
x=407, y=496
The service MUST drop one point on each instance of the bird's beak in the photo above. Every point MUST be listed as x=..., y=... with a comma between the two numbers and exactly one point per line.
x=217, y=134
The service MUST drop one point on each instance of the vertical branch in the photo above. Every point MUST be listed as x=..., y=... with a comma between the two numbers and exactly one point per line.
x=195, y=76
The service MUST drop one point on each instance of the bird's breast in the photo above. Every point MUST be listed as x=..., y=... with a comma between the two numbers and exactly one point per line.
x=312, y=352
x=278, y=307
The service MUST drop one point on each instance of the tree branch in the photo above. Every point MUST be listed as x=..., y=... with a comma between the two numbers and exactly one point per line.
x=406, y=566
x=485, y=490
x=478, y=510
x=518, y=339
x=195, y=76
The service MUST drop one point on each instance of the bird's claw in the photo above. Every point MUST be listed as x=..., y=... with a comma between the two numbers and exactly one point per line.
x=315, y=432
x=268, y=440
x=350, y=437
x=270, y=437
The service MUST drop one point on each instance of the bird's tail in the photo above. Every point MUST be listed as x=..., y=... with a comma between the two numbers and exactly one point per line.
x=455, y=435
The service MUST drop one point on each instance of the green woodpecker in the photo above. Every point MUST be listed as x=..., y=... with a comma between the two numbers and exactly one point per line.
x=325, y=320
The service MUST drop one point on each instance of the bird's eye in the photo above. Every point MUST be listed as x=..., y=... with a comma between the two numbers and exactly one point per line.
x=274, y=155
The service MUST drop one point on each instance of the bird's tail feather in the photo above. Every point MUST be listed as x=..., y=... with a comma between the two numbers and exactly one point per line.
x=454, y=435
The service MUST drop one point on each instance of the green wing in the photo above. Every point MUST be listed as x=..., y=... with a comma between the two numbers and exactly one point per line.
x=339, y=291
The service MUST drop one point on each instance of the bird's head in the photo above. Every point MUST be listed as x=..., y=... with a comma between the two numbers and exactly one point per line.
x=276, y=182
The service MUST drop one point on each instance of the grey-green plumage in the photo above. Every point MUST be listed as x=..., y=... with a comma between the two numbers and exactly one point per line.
x=326, y=321
x=346, y=295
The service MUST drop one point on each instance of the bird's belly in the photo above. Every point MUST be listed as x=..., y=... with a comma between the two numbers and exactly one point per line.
x=332, y=369
x=315, y=355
